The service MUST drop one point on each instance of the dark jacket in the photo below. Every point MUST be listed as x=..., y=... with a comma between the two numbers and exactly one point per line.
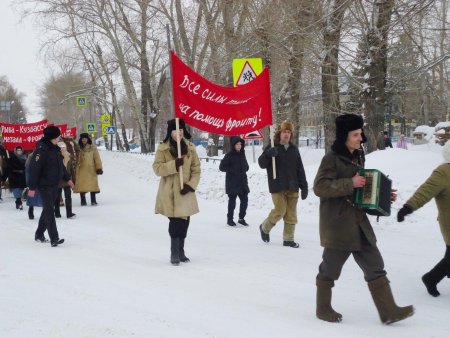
x=15, y=172
x=341, y=223
x=235, y=165
x=46, y=167
x=289, y=169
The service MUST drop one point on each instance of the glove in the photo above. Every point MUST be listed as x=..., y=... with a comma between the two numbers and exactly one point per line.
x=186, y=189
x=99, y=171
x=406, y=210
x=272, y=152
x=304, y=194
x=178, y=162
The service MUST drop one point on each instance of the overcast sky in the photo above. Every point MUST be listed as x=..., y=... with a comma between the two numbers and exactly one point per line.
x=19, y=56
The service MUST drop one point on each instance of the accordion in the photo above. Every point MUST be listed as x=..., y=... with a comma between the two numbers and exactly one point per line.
x=375, y=197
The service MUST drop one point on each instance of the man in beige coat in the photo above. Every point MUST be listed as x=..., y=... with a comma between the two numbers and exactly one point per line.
x=172, y=201
x=437, y=186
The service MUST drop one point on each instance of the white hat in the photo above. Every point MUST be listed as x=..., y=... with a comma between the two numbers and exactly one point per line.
x=446, y=152
x=62, y=145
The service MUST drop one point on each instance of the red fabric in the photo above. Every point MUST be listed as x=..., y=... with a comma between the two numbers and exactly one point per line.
x=219, y=109
x=25, y=135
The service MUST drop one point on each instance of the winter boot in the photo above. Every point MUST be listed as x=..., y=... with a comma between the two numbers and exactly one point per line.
x=19, y=204
x=31, y=212
x=243, y=222
x=69, y=213
x=183, y=257
x=230, y=222
x=384, y=301
x=324, y=310
x=83, y=199
x=175, y=251
x=41, y=239
x=57, y=242
x=292, y=244
x=433, y=277
x=93, y=200
x=265, y=237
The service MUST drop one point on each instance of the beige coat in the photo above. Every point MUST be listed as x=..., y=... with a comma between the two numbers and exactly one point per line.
x=169, y=201
x=88, y=163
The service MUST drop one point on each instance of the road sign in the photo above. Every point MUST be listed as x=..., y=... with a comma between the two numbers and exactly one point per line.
x=82, y=101
x=110, y=130
x=106, y=118
x=254, y=135
x=245, y=70
x=91, y=127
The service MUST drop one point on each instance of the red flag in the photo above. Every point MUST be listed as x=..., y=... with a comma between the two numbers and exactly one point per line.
x=219, y=109
x=25, y=135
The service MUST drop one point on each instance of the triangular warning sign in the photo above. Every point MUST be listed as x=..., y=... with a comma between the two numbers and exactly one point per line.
x=247, y=74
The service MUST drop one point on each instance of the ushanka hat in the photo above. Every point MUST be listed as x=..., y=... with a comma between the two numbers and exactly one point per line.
x=171, y=126
x=346, y=123
x=51, y=132
x=286, y=125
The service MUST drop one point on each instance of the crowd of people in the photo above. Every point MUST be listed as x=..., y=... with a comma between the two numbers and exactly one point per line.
x=40, y=176
x=58, y=165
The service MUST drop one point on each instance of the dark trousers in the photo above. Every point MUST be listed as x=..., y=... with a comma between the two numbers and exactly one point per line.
x=369, y=259
x=67, y=195
x=178, y=227
x=47, y=219
x=232, y=204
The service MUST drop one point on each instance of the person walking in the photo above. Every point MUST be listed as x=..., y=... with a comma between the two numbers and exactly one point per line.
x=46, y=169
x=235, y=165
x=387, y=140
x=437, y=186
x=290, y=177
x=67, y=161
x=401, y=143
x=173, y=201
x=15, y=174
x=345, y=229
x=35, y=201
x=3, y=160
x=89, y=165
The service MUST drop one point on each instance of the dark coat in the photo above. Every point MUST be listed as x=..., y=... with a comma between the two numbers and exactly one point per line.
x=341, y=223
x=289, y=169
x=15, y=172
x=235, y=165
x=46, y=167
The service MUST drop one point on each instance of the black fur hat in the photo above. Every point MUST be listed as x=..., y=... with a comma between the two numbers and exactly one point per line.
x=84, y=135
x=171, y=126
x=346, y=123
x=51, y=132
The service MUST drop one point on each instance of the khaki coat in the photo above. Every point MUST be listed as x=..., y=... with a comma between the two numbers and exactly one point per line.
x=87, y=165
x=341, y=222
x=437, y=186
x=169, y=201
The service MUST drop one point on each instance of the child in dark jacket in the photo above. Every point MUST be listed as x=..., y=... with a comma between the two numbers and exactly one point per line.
x=235, y=165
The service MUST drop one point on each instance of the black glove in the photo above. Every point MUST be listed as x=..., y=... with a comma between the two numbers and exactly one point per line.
x=179, y=162
x=187, y=188
x=272, y=152
x=99, y=171
x=406, y=210
x=304, y=194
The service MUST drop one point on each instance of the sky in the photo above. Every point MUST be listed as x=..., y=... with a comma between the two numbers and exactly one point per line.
x=19, y=55
x=112, y=276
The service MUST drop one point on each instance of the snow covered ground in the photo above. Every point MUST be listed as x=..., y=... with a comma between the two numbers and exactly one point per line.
x=112, y=276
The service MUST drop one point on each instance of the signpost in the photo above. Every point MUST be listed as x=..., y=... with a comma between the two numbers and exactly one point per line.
x=81, y=101
x=91, y=127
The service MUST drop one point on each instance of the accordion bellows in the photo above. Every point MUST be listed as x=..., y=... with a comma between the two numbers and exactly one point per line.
x=375, y=197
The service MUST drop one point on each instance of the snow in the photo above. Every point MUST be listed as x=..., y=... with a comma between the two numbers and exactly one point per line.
x=112, y=276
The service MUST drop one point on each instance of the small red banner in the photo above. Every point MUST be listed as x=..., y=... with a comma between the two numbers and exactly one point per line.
x=219, y=109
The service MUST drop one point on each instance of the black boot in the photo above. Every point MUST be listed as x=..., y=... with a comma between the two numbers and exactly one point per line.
x=83, y=198
x=31, y=212
x=433, y=277
x=69, y=213
x=19, y=204
x=175, y=251
x=57, y=209
x=93, y=200
x=183, y=257
x=230, y=222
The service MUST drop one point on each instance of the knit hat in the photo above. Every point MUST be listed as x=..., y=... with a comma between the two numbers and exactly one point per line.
x=51, y=132
x=446, y=152
x=346, y=123
x=171, y=126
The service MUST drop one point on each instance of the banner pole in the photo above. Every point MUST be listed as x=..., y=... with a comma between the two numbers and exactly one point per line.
x=177, y=120
x=274, y=169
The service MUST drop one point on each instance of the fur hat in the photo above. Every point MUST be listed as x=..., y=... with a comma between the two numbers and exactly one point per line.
x=171, y=126
x=51, y=132
x=286, y=125
x=346, y=123
x=84, y=135
x=446, y=152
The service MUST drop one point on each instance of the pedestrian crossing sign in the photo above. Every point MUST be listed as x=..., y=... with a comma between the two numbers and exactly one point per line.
x=81, y=101
x=91, y=127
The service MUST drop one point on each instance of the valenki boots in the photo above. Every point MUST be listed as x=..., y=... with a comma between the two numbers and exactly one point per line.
x=324, y=310
x=83, y=198
x=384, y=301
x=175, y=251
x=183, y=257
x=434, y=276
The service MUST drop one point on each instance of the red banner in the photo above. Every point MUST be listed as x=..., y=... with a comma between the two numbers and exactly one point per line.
x=219, y=109
x=70, y=132
x=25, y=135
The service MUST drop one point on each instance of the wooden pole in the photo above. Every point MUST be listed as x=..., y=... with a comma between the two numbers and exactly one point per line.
x=274, y=169
x=180, y=169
